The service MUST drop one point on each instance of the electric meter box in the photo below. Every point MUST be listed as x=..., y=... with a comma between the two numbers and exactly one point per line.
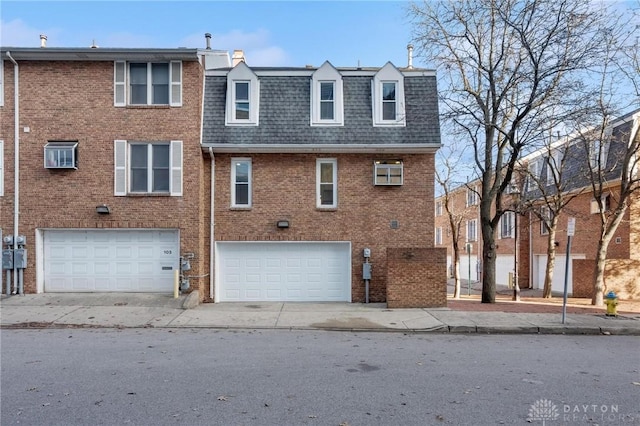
x=366, y=271
x=20, y=258
x=7, y=259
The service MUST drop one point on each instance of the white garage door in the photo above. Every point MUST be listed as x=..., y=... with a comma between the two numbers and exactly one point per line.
x=309, y=272
x=110, y=260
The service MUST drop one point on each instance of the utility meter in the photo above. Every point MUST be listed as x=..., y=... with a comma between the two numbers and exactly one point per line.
x=367, y=252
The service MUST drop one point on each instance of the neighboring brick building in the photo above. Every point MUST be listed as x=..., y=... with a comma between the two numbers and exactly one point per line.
x=312, y=166
x=623, y=255
x=114, y=128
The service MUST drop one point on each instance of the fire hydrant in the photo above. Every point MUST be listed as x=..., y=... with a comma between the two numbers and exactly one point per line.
x=612, y=302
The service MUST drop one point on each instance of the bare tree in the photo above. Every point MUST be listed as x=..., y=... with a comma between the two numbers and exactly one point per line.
x=450, y=164
x=547, y=194
x=505, y=63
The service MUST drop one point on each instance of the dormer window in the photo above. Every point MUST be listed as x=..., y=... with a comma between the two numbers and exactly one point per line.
x=326, y=97
x=243, y=96
x=388, y=97
x=61, y=155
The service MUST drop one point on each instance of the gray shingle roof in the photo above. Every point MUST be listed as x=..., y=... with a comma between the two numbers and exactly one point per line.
x=285, y=114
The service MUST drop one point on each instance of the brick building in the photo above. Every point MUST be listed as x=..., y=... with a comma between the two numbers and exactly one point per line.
x=623, y=261
x=266, y=185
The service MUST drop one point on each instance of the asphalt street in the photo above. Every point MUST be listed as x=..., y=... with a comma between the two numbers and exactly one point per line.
x=77, y=376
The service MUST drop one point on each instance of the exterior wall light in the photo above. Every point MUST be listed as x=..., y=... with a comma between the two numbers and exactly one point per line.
x=103, y=209
x=282, y=224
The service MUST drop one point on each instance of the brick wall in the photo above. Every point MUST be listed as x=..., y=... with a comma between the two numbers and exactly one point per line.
x=284, y=188
x=620, y=276
x=74, y=101
x=416, y=277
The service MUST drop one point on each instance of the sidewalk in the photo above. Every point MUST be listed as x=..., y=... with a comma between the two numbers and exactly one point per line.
x=466, y=315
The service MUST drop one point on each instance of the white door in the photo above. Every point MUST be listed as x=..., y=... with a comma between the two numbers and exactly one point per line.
x=557, y=283
x=110, y=260
x=279, y=271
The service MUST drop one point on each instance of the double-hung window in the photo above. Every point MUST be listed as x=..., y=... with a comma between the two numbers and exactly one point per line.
x=243, y=97
x=472, y=230
x=438, y=208
x=388, y=97
x=1, y=83
x=148, y=83
x=148, y=167
x=240, y=182
x=472, y=196
x=545, y=216
x=438, y=236
x=327, y=106
x=507, y=225
x=327, y=183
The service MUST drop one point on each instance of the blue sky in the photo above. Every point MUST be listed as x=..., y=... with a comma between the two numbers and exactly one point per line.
x=272, y=33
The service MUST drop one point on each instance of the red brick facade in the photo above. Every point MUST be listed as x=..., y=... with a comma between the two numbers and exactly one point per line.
x=284, y=188
x=74, y=100
x=416, y=278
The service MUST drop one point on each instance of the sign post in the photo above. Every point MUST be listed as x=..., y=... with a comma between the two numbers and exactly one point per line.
x=571, y=230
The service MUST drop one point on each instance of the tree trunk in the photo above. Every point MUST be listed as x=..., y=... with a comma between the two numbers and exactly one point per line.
x=598, y=274
x=456, y=275
x=488, y=266
x=551, y=258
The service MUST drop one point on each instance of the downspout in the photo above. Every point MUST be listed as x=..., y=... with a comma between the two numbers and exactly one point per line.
x=16, y=162
x=530, y=252
x=213, y=225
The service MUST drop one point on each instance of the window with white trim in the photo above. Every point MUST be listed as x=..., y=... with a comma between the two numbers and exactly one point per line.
x=438, y=236
x=604, y=204
x=472, y=230
x=507, y=225
x=533, y=175
x=545, y=214
x=241, y=182
x=387, y=172
x=327, y=107
x=148, y=167
x=598, y=152
x=554, y=163
x=1, y=167
x=243, y=97
x=388, y=97
x=472, y=196
x=147, y=83
x=326, y=183
x=438, y=208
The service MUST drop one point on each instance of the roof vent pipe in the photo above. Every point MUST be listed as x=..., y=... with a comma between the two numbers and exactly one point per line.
x=43, y=40
x=208, y=37
x=410, y=56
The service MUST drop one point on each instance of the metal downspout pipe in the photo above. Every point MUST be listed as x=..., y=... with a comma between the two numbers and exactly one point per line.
x=213, y=225
x=16, y=169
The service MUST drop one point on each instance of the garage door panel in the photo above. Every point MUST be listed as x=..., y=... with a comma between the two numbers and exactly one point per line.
x=110, y=260
x=283, y=271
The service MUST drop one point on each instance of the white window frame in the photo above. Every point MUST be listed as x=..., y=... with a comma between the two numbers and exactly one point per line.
x=242, y=73
x=319, y=183
x=382, y=172
x=327, y=74
x=599, y=148
x=472, y=230
x=533, y=175
x=122, y=81
x=388, y=74
x=605, y=201
x=439, y=236
x=1, y=167
x=122, y=170
x=553, y=166
x=249, y=183
x=507, y=225
x=472, y=196
x=545, y=214
x=438, y=208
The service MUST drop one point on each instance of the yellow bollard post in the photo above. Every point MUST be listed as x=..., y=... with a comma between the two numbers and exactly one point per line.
x=176, y=283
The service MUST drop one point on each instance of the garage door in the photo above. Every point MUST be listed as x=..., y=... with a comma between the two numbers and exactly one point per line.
x=110, y=260
x=304, y=272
